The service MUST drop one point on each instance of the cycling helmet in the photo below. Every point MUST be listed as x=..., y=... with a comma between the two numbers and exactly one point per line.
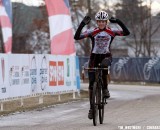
x=102, y=15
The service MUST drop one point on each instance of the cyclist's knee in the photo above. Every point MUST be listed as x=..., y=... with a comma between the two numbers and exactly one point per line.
x=90, y=87
x=91, y=82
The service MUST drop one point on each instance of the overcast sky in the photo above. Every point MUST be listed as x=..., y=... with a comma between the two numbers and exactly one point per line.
x=155, y=4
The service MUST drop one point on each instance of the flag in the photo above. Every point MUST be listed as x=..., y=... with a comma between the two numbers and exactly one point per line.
x=60, y=24
x=6, y=24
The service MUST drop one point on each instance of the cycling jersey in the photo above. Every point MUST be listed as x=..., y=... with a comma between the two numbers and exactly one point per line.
x=101, y=40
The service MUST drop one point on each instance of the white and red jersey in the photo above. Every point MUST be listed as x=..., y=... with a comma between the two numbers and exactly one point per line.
x=101, y=39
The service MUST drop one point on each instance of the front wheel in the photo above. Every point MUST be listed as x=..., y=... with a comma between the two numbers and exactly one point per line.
x=95, y=104
x=101, y=105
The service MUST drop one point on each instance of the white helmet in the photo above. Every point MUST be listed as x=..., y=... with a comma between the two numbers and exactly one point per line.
x=102, y=15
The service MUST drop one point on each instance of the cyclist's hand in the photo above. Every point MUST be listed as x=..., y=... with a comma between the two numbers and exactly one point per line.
x=113, y=20
x=86, y=20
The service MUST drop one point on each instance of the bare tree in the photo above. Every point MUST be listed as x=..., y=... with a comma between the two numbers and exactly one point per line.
x=141, y=24
x=88, y=7
x=30, y=22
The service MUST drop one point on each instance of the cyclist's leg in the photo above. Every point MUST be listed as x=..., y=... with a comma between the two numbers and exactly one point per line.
x=91, y=82
x=105, y=85
x=91, y=75
x=105, y=78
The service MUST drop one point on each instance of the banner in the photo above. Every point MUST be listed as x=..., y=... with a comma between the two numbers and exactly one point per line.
x=136, y=69
x=43, y=72
x=6, y=24
x=62, y=74
x=60, y=24
x=38, y=73
x=131, y=69
x=77, y=73
x=4, y=84
x=33, y=65
x=14, y=70
x=27, y=75
x=24, y=75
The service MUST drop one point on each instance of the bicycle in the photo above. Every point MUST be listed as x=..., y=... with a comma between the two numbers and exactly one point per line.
x=98, y=100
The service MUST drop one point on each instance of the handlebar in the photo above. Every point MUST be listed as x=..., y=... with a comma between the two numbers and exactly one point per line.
x=95, y=68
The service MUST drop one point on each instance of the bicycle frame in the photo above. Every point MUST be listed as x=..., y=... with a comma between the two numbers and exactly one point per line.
x=98, y=101
x=98, y=72
x=98, y=78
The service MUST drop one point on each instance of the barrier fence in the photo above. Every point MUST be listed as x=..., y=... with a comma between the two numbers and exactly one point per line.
x=132, y=69
x=23, y=75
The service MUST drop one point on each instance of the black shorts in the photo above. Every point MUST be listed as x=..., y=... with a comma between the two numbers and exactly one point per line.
x=95, y=59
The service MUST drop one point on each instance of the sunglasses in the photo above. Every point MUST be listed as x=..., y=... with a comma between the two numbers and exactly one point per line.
x=101, y=21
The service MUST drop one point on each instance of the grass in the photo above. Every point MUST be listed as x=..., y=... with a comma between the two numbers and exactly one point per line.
x=32, y=103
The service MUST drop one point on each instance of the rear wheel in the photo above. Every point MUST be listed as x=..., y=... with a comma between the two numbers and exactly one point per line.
x=95, y=104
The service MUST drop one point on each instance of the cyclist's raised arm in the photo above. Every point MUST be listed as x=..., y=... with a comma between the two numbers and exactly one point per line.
x=78, y=34
x=125, y=31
